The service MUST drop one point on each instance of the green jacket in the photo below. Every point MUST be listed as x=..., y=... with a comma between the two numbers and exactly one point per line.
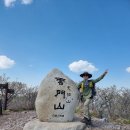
x=87, y=91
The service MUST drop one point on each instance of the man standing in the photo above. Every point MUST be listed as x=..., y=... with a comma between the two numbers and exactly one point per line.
x=86, y=88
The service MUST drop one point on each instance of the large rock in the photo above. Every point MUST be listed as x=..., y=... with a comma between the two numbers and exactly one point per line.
x=37, y=125
x=57, y=98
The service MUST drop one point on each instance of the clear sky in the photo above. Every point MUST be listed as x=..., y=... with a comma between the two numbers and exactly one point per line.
x=72, y=35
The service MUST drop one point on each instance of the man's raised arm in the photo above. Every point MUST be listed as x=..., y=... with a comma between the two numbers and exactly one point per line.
x=101, y=77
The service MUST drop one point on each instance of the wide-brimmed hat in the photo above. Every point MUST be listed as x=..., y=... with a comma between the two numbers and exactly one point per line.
x=87, y=74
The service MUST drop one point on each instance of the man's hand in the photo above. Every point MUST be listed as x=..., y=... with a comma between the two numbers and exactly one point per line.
x=106, y=72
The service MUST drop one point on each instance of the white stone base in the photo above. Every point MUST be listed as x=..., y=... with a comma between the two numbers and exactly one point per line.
x=38, y=125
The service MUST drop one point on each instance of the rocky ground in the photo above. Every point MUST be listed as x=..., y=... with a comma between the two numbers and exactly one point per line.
x=17, y=120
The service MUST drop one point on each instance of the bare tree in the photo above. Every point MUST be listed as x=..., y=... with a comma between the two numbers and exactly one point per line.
x=112, y=103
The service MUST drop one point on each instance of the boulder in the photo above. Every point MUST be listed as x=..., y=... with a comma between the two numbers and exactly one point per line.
x=38, y=125
x=57, y=98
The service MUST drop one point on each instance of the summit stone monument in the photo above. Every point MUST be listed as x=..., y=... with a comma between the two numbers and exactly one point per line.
x=55, y=104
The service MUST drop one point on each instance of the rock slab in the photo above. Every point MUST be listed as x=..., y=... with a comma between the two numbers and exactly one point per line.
x=57, y=98
x=37, y=125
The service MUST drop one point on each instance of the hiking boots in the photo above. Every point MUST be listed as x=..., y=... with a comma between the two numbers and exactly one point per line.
x=86, y=121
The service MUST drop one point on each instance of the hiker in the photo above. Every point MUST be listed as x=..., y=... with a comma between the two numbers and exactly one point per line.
x=87, y=91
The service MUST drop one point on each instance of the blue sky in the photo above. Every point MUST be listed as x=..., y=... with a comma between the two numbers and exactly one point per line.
x=39, y=35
